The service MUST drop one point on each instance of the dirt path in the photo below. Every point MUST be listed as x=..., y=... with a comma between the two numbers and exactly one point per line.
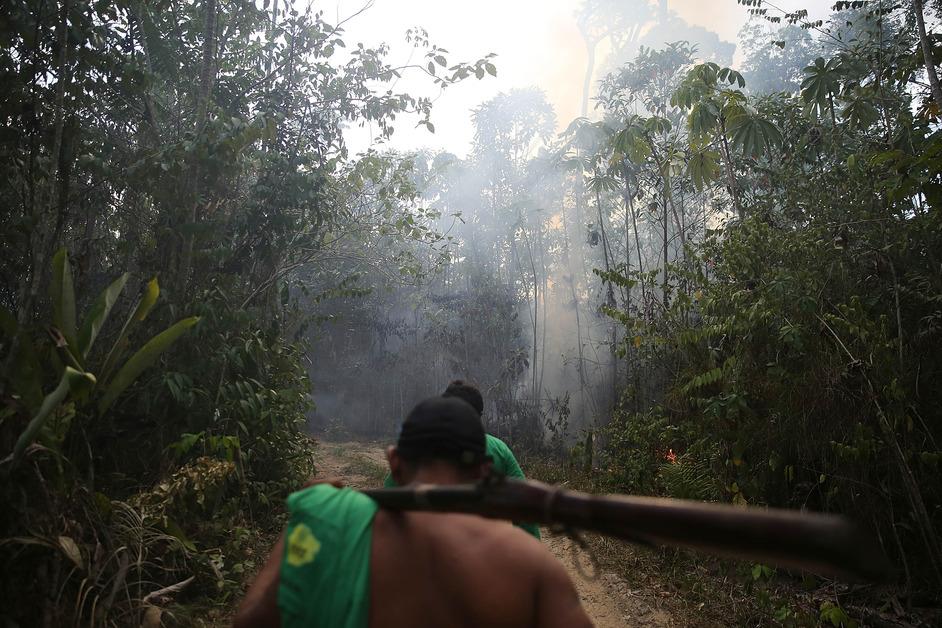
x=607, y=598
x=360, y=465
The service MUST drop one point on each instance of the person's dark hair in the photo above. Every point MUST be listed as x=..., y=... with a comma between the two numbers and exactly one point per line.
x=466, y=392
x=443, y=428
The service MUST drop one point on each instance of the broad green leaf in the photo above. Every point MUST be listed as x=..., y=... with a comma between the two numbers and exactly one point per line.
x=703, y=119
x=632, y=143
x=141, y=310
x=63, y=296
x=145, y=356
x=821, y=84
x=860, y=112
x=99, y=314
x=151, y=292
x=703, y=167
x=752, y=134
x=72, y=381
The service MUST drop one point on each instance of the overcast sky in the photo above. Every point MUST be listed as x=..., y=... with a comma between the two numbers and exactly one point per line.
x=537, y=43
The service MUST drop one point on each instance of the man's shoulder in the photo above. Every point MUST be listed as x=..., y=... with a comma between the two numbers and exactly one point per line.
x=325, y=499
x=497, y=449
x=503, y=457
x=493, y=441
x=494, y=538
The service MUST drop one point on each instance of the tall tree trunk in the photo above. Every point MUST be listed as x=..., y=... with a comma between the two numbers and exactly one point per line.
x=730, y=175
x=629, y=213
x=927, y=53
x=207, y=79
x=634, y=227
x=920, y=512
x=664, y=287
x=208, y=64
x=42, y=236
x=536, y=306
x=567, y=255
x=610, y=298
x=543, y=322
x=589, y=71
x=532, y=312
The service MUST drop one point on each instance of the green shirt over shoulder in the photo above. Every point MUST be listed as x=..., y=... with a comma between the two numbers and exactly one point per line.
x=504, y=463
x=325, y=571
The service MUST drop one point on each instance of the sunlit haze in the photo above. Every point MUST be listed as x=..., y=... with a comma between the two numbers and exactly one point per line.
x=537, y=43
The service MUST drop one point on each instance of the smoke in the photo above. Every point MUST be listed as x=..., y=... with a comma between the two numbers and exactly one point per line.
x=516, y=306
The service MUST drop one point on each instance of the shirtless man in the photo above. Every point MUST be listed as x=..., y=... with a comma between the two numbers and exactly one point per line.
x=344, y=563
x=502, y=459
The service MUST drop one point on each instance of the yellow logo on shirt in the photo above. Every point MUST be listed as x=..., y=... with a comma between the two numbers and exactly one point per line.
x=302, y=546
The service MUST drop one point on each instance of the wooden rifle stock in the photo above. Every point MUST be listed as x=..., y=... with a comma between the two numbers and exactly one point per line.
x=825, y=544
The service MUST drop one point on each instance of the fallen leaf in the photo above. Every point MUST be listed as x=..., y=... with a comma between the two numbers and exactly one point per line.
x=72, y=550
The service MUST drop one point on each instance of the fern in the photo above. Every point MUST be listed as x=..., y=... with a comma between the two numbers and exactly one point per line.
x=690, y=478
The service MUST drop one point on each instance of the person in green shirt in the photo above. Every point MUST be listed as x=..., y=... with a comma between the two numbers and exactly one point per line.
x=343, y=562
x=502, y=459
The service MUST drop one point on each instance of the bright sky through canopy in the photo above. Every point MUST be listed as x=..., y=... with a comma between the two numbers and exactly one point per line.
x=537, y=43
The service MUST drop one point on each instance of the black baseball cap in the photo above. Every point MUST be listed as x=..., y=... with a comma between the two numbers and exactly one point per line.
x=444, y=428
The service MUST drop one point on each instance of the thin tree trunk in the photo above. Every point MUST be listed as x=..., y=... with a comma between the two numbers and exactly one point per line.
x=611, y=298
x=575, y=302
x=536, y=318
x=543, y=325
x=628, y=215
x=664, y=278
x=913, y=493
x=532, y=312
x=207, y=79
x=927, y=53
x=589, y=71
x=42, y=238
x=207, y=67
x=634, y=226
x=730, y=175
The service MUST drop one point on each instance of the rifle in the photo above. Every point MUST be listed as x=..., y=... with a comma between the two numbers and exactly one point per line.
x=825, y=544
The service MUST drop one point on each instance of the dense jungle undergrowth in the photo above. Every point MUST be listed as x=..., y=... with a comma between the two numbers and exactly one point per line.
x=723, y=283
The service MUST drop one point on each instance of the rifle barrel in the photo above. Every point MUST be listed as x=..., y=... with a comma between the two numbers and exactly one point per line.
x=825, y=544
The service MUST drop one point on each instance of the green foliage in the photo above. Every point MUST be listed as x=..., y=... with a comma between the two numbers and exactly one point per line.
x=206, y=166
x=788, y=356
x=688, y=477
x=75, y=385
x=63, y=297
x=821, y=84
x=753, y=135
x=143, y=358
x=834, y=615
x=97, y=316
x=636, y=446
x=703, y=167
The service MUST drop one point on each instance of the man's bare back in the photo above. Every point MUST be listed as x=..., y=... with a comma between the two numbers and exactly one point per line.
x=445, y=570
x=425, y=569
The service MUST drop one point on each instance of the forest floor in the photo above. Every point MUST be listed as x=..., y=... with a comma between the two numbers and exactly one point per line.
x=606, y=597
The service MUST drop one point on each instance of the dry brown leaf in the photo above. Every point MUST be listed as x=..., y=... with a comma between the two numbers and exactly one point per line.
x=71, y=549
